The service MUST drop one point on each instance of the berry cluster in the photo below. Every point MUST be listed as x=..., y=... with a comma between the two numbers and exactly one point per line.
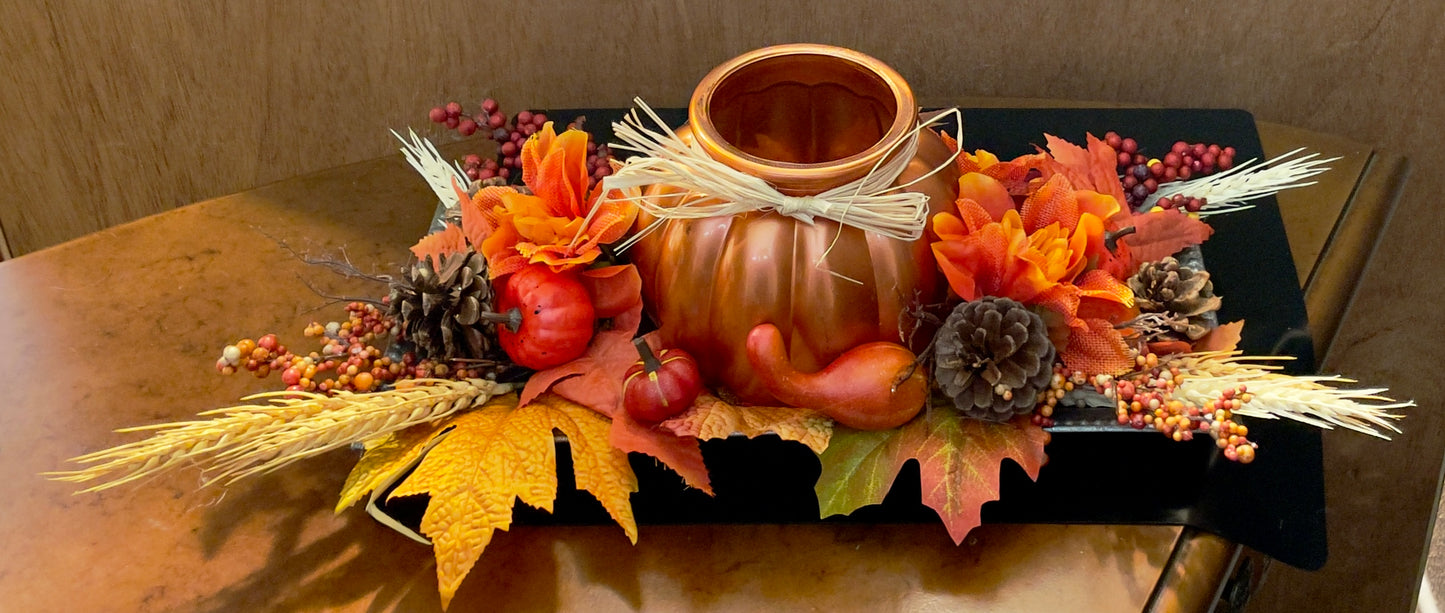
x=349, y=358
x=1146, y=399
x=1178, y=201
x=1142, y=175
x=510, y=136
x=1060, y=385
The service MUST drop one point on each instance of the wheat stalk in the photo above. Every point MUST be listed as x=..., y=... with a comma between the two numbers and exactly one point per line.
x=245, y=440
x=1313, y=400
x=429, y=163
x=1228, y=191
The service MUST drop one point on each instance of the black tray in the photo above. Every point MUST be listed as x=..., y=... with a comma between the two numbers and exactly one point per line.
x=1274, y=505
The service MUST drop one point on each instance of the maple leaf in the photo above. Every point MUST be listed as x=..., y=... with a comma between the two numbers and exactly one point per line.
x=958, y=459
x=1160, y=234
x=1224, y=337
x=595, y=380
x=384, y=458
x=489, y=458
x=440, y=244
x=712, y=418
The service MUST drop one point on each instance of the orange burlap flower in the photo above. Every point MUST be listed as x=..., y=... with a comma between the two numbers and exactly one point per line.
x=559, y=224
x=1046, y=256
x=1011, y=176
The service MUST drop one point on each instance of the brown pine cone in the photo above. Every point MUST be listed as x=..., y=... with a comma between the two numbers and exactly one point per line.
x=992, y=357
x=439, y=308
x=1183, y=293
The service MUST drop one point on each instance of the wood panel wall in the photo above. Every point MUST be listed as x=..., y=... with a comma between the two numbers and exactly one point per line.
x=115, y=109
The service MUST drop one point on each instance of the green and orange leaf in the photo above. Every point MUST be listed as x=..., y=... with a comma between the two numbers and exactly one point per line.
x=959, y=461
x=711, y=417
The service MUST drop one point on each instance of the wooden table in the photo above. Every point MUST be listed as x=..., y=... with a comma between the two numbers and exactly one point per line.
x=122, y=328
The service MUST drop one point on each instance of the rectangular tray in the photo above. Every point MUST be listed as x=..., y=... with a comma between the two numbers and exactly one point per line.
x=1098, y=472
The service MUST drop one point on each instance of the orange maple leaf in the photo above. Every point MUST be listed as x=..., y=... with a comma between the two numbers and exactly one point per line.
x=712, y=418
x=481, y=461
x=958, y=460
x=440, y=244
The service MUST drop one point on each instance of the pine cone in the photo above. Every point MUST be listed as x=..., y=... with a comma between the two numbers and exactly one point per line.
x=440, y=309
x=1183, y=292
x=993, y=357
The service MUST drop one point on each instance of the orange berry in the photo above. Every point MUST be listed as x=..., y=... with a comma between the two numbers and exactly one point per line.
x=1243, y=430
x=246, y=346
x=363, y=382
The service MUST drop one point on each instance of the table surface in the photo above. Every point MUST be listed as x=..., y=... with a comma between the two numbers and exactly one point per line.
x=122, y=327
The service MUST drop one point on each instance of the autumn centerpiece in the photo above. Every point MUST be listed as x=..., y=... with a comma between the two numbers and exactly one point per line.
x=876, y=294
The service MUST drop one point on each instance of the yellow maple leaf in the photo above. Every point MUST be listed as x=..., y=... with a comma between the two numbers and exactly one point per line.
x=489, y=458
x=710, y=417
x=383, y=459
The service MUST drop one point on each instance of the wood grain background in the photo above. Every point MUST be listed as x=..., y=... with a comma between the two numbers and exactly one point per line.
x=117, y=109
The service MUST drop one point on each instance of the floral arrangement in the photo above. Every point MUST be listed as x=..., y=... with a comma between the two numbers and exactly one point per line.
x=1072, y=280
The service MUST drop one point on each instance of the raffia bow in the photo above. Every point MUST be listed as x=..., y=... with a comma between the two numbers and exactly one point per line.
x=872, y=203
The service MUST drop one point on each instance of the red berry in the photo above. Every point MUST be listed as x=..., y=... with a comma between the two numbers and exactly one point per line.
x=1125, y=159
x=437, y=115
x=1229, y=151
x=474, y=174
x=467, y=127
x=1139, y=159
x=1214, y=149
x=1173, y=160
x=453, y=109
x=1130, y=182
x=483, y=174
x=490, y=164
x=1111, y=138
x=267, y=342
x=529, y=129
x=509, y=148
x=452, y=122
x=1198, y=149
x=1179, y=147
x=509, y=161
x=496, y=120
x=472, y=160
x=505, y=173
x=524, y=118
x=1184, y=173
x=1151, y=184
x=489, y=106
x=1156, y=169
x=1225, y=162
x=539, y=120
x=602, y=171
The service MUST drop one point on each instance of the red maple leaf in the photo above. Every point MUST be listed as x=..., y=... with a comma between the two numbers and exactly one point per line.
x=958, y=460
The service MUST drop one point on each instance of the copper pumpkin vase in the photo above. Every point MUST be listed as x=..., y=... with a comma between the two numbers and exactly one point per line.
x=805, y=118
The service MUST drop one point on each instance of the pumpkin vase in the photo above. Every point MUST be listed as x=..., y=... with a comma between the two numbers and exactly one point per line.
x=805, y=118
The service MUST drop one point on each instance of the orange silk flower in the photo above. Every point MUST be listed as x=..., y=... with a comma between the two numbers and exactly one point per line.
x=1045, y=256
x=559, y=224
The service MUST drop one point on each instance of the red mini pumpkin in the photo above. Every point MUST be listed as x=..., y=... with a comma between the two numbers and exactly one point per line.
x=659, y=387
x=547, y=317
